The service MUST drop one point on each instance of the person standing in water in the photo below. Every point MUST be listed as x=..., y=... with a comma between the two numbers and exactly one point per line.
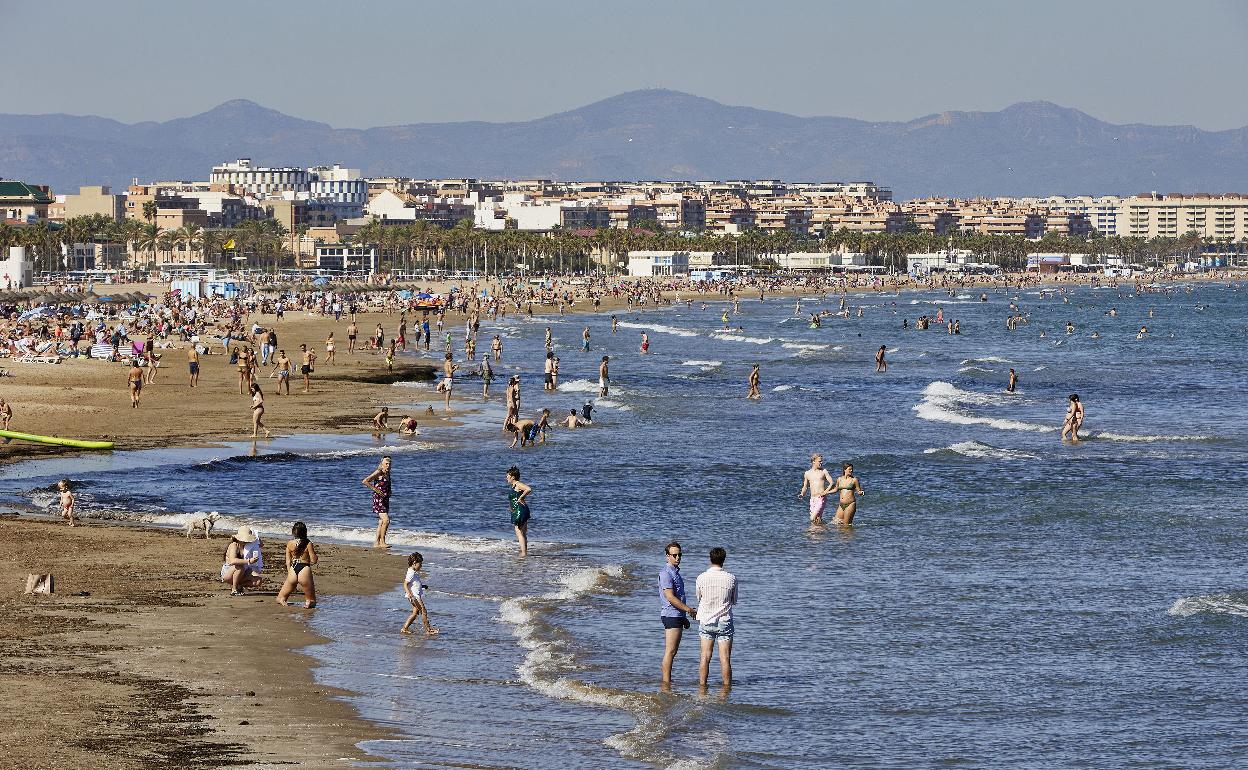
x=604, y=377
x=1013, y=382
x=414, y=589
x=645, y=343
x=379, y=482
x=754, y=382
x=716, y=590
x=880, y=364
x=487, y=376
x=520, y=513
x=820, y=484
x=848, y=487
x=585, y=340
x=673, y=612
x=1074, y=418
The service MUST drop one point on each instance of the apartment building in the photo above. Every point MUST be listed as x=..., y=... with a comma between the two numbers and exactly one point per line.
x=261, y=180
x=95, y=199
x=1213, y=217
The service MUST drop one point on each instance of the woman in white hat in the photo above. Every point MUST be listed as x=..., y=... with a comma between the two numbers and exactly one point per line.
x=243, y=561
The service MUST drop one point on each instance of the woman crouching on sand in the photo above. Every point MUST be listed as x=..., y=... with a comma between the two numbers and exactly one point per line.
x=243, y=561
x=300, y=556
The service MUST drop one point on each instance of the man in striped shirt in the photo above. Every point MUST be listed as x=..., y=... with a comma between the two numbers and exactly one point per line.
x=717, y=594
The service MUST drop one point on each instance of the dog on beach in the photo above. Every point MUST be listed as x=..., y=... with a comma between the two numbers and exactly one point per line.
x=206, y=524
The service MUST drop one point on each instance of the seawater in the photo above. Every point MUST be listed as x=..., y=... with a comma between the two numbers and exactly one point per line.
x=1004, y=600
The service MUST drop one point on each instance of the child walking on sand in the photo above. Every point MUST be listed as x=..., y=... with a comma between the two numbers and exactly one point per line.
x=415, y=591
x=67, y=502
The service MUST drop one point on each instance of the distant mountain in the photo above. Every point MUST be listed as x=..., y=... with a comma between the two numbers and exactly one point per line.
x=1031, y=148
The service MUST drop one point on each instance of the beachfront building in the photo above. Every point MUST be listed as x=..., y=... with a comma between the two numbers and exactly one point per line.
x=648, y=264
x=17, y=270
x=23, y=204
x=345, y=258
x=946, y=261
x=1221, y=218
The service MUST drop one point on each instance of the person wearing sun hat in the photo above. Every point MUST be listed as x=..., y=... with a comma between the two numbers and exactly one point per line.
x=243, y=561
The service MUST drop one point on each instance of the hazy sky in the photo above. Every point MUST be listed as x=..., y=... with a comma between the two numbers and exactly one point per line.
x=369, y=63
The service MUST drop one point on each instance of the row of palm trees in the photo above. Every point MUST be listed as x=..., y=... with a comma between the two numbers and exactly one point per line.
x=255, y=242
x=264, y=244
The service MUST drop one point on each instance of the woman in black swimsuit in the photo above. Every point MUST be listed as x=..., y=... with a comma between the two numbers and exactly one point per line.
x=300, y=556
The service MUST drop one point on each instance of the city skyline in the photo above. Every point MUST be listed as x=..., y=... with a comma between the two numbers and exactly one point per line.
x=399, y=63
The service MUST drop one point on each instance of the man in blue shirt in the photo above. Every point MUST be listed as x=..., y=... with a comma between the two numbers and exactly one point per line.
x=673, y=608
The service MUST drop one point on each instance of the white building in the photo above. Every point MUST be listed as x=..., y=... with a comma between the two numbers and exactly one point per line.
x=346, y=258
x=818, y=260
x=335, y=184
x=17, y=271
x=262, y=180
x=952, y=260
x=648, y=264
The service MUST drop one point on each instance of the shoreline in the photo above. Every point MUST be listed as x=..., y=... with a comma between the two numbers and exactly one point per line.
x=161, y=665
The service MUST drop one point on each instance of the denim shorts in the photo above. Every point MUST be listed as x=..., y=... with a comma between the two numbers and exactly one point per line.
x=720, y=629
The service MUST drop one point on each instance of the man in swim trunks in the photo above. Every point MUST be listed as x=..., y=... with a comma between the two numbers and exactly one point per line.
x=604, y=377
x=192, y=358
x=754, y=383
x=282, y=365
x=1013, y=382
x=448, y=380
x=820, y=484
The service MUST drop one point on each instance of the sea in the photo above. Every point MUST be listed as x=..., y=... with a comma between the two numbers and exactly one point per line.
x=1004, y=599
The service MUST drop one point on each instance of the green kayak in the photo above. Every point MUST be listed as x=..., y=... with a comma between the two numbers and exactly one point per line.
x=9, y=434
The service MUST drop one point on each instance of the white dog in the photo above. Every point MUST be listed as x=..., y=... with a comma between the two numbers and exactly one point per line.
x=206, y=524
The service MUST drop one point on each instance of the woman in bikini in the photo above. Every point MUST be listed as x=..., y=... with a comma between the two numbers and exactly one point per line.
x=135, y=379
x=300, y=556
x=379, y=482
x=241, y=565
x=257, y=411
x=329, y=349
x=848, y=488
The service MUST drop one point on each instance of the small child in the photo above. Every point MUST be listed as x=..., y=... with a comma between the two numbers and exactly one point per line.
x=67, y=501
x=415, y=591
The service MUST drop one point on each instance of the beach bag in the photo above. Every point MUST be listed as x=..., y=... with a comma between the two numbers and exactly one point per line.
x=40, y=584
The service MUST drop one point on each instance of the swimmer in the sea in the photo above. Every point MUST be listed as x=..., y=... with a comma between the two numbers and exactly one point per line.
x=1074, y=418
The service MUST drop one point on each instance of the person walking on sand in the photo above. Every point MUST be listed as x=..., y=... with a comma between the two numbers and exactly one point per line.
x=257, y=411
x=414, y=589
x=520, y=514
x=192, y=363
x=68, y=502
x=849, y=489
x=306, y=366
x=819, y=482
x=135, y=380
x=330, y=345
x=6, y=414
x=717, y=594
x=674, y=614
x=379, y=482
x=754, y=381
x=300, y=556
x=1074, y=418
x=880, y=364
x=353, y=331
x=281, y=366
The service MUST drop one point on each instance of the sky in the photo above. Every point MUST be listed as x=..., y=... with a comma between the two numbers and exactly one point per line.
x=384, y=62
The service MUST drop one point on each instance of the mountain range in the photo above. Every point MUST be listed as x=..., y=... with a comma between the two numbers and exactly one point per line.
x=1030, y=148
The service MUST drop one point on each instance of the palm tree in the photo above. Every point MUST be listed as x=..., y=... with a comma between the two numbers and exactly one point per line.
x=147, y=239
x=191, y=236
